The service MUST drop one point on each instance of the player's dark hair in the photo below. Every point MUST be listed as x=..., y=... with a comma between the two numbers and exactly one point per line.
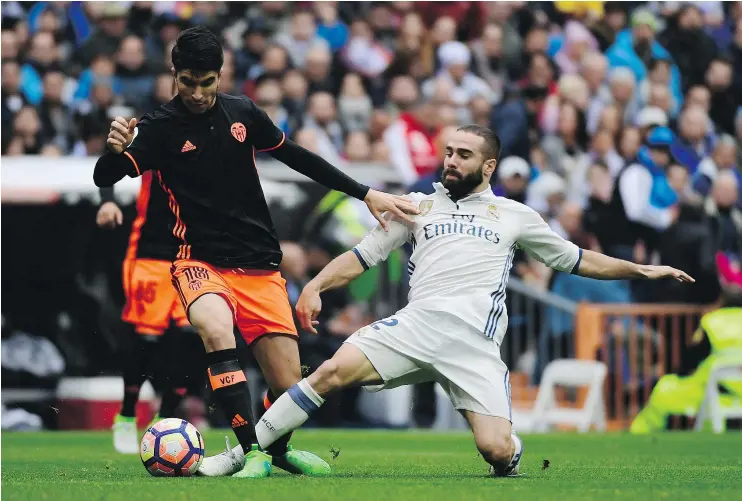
x=199, y=50
x=491, y=140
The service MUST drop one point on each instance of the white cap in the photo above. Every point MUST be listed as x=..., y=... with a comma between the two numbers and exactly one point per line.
x=451, y=53
x=512, y=166
x=651, y=115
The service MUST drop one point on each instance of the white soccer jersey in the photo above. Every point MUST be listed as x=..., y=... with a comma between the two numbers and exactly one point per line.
x=463, y=252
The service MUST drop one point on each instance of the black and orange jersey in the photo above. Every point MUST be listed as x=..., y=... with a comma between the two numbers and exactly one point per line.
x=205, y=167
x=152, y=230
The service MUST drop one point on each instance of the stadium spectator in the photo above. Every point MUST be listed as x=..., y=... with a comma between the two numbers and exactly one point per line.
x=602, y=151
x=357, y=147
x=621, y=92
x=455, y=58
x=480, y=110
x=594, y=68
x=43, y=56
x=12, y=97
x=699, y=96
x=694, y=140
x=659, y=77
x=514, y=174
x=9, y=45
x=254, y=43
x=354, y=105
x=489, y=62
x=27, y=138
x=577, y=42
x=106, y=38
x=54, y=114
x=649, y=118
x=735, y=52
x=269, y=96
x=723, y=158
x=134, y=73
x=691, y=49
x=321, y=117
x=302, y=37
x=635, y=49
x=318, y=70
x=273, y=64
x=721, y=206
x=410, y=138
x=724, y=99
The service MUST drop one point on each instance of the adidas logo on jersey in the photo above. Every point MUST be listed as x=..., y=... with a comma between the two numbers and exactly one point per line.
x=237, y=421
x=188, y=146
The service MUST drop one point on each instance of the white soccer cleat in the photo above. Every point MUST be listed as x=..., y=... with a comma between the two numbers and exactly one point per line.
x=125, y=437
x=223, y=464
x=513, y=469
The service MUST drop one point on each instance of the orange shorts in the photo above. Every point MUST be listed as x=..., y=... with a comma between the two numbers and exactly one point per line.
x=258, y=298
x=151, y=301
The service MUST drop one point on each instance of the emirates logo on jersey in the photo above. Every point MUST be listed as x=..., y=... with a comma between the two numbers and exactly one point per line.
x=239, y=132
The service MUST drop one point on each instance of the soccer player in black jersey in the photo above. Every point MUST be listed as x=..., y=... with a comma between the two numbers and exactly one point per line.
x=201, y=148
x=152, y=305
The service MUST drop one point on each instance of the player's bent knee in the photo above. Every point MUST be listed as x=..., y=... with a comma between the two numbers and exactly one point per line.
x=212, y=318
x=496, y=448
x=327, y=377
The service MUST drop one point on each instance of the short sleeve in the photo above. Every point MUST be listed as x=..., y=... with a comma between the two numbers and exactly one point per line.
x=378, y=244
x=543, y=244
x=262, y=132
x=145, y=150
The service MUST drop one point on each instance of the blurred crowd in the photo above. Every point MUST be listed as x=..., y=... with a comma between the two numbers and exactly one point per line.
x=620, y=121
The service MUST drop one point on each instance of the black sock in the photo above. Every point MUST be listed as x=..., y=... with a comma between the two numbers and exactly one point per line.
x=280, y=446
x=229, y=386
x=171, y=398
x=135, y=372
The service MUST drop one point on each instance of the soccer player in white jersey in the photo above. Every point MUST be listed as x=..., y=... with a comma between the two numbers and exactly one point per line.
x=452, y=327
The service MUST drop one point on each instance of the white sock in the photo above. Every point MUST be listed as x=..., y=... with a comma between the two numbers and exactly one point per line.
x=287, y=413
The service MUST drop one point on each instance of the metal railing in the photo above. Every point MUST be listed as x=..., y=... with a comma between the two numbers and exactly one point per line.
x=540, y=329
x=639, y=343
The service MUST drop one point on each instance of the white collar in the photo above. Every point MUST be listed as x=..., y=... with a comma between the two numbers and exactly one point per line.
x=439, y=188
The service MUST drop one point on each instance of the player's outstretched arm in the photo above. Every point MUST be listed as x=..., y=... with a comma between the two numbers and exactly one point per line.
x=339, y=272
x=318, y=169
x=602, y=267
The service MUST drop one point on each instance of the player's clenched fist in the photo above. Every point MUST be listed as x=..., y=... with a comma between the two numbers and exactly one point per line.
x=121, y=134
x=109, y=216
x=308, y=308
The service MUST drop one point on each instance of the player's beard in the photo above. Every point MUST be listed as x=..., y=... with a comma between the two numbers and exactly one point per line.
x=463, y=185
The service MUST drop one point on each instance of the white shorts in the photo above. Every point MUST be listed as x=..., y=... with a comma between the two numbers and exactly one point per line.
x=415, y=346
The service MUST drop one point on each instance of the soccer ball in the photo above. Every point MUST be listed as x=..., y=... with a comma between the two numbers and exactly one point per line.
x=172, y=448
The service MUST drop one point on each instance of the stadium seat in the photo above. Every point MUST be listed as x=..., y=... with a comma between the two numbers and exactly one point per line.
x=546, y=414
x=718, y=408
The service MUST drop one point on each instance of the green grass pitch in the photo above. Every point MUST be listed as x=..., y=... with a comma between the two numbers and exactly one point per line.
x=392, y=465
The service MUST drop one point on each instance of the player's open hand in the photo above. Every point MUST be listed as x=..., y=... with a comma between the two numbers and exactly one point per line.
x=121, y=134
x=379, y=203
x=660, y=272
x=109, y=216
x=308, y=308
